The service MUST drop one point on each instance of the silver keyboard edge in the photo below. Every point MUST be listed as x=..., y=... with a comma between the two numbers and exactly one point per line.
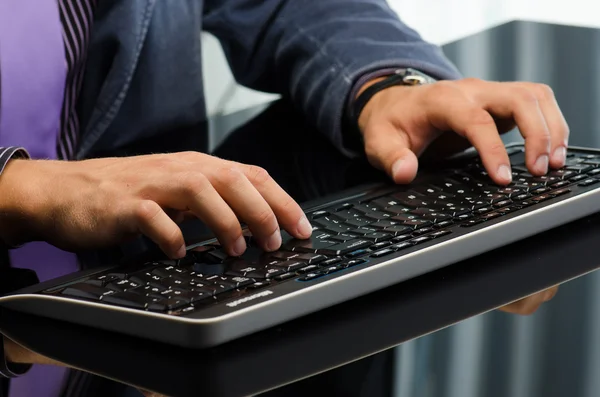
x=278, y=310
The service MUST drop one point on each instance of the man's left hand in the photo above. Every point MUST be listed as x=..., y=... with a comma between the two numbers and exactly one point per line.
x=400, y=122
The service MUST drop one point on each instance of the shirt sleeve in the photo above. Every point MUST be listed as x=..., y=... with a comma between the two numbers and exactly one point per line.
x=9, y=153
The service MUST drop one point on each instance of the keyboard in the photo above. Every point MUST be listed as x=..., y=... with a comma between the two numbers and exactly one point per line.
x=362, y=241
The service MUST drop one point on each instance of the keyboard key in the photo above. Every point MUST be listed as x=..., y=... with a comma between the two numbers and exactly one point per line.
x=330, y=262
x=344, y=206
x=580, y=168
x=560, y=192
x=378, y=246
x=363, y=231
x=126, y=299
x=418, y=223
x=101, y=281
x=260, y=284
x=86, y=291
x=589, y=182
x=594, y=172
x=401, y=246
x=123, y=285
x=347, y=214
x=292, y=265
x=356, y=253
x=578, y=178
x=285, y=276
x=377, y=236
x=521, y=197
x=443, y=224
x=384, y=224
x=358, y=222
x=310, y=276
x=346, y=247
x=401, y=238
x=420, y=240
x=440, y=233
x=381, y=253
x=311, y=259
x=543, y=197
x=318, y=214
x=560, y=184
x=354, y=262
x=491, y=215
x=472, y=222
x=422, y=231
x=308, y=269
x=503, y=203
x=563, y=173
x=312, y=244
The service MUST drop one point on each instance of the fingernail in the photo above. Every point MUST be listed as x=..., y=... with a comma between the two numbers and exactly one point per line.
x=504, y=173
x=560, y=156
x=274, y=242
x=182, y=251
x=541, y=165
x=396, y=167
x=239, y=246
x=304, y=227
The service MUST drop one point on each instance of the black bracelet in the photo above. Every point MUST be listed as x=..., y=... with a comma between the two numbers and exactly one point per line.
x=401, y=77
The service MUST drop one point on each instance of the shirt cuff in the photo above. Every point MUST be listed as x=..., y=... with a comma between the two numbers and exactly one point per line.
x=9, y=153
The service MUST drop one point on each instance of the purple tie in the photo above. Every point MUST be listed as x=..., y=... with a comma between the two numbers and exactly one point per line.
x=33, y=71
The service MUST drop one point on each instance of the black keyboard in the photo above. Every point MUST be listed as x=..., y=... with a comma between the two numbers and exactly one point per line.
x=360, y=243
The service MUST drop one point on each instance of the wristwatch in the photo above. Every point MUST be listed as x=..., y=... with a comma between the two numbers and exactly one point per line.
x=407, y=77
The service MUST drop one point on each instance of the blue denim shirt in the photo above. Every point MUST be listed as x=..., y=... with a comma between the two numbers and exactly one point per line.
x=144, y=72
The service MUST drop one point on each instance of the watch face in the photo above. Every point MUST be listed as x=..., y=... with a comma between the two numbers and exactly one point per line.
x=414, y=80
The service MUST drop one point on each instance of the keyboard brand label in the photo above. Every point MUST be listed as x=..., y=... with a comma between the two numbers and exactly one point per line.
x=250, y=298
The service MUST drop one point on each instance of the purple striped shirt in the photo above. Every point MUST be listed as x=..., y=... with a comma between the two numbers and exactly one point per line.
x=41, y=73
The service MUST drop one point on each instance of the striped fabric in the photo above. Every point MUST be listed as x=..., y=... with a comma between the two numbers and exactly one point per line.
x=76, y=17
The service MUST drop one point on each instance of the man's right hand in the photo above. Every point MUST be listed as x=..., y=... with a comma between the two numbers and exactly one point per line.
x=100, y=202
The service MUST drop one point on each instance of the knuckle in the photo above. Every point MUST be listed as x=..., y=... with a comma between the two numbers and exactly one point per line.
x=257, y=175
x=195, y=184
x=229, y=176
x=264, y=218
x=525, y=95
x=147, y=210
x=496, y=148
x=172, y=240
x=544, y=91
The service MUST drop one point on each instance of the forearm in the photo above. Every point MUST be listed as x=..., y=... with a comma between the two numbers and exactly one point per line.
x=13, y=203
x=316, y=52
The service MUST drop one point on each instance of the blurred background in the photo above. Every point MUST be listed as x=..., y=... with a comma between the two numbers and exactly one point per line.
x=556, y=351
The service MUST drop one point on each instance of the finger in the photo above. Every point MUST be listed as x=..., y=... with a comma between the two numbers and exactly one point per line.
x=559, y=129
x=202, y=199
x=289, y=214
x=454, y=111
x=520, y=103
x=526, y=306
x=248, y=204
x=388, y=149
x=153, y=222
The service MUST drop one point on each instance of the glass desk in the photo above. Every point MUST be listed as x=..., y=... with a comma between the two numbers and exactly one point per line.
x=436, y=335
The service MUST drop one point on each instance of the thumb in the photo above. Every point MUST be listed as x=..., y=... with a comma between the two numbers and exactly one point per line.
x=388, y=149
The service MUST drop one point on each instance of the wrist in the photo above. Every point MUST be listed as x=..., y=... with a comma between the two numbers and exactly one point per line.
x=363, y=116
x=17, y=203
